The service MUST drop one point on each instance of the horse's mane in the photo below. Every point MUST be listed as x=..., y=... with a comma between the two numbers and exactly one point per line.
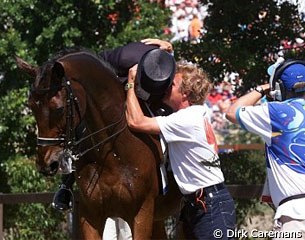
x=44, y=68
x=67, y=51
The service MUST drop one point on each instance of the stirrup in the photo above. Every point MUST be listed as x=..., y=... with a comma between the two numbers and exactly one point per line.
x=63, y=199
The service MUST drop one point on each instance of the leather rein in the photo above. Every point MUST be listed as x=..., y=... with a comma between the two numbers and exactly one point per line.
x=69, y=140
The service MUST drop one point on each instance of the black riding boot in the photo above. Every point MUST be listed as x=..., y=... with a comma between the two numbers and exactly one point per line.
x=63, y=198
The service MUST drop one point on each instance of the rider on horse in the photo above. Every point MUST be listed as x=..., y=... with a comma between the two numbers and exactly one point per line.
x=157, y=69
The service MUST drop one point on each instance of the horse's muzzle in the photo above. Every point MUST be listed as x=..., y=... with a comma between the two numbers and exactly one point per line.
x=48, y=160
x=49, y=170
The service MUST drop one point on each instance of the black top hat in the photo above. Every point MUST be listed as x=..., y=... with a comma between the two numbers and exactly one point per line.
x=156, y=71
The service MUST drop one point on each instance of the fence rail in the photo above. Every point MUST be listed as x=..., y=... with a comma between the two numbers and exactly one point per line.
x=237, y=191
x=238, y=147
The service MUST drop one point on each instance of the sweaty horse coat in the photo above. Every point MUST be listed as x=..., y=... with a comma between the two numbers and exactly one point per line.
x=79, y=106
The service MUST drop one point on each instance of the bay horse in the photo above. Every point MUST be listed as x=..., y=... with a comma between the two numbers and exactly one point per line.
x=79, y=107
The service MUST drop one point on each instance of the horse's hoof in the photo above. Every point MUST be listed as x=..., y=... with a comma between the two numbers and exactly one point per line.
x=63, y=199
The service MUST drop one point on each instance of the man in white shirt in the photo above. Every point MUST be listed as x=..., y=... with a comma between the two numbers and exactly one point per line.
x=192, y=146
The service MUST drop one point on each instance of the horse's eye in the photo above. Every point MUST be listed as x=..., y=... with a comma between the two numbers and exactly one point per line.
x=57, y=112
x=32, y=103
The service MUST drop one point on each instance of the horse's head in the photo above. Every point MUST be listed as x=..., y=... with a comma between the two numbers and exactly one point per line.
x=58, y=107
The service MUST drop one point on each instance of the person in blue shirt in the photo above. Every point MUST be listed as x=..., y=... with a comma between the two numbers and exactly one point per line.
x=281, y=124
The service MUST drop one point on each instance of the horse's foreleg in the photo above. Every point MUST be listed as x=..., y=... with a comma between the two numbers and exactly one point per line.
x=88, y=231
x=143, y=222
x=159, y=230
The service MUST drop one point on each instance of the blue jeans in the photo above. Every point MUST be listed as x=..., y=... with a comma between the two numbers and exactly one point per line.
x=211, y=221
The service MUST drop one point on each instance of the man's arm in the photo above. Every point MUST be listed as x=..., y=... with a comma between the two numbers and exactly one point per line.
x=164, y=45
x=136, y=120
x=249, y=99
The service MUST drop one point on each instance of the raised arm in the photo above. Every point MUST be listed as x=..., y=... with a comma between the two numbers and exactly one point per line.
x=164, y=45
x=136, y=120
x=249, y=99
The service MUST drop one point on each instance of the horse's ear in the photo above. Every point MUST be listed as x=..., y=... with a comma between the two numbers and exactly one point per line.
x=58, y=70
x=26, y=67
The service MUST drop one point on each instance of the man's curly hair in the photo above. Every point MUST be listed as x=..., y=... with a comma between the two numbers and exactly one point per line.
x=195, y=82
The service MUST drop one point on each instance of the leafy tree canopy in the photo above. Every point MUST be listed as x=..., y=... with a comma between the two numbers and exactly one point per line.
x=244, y=37
x=35, y=30
x=237, y=40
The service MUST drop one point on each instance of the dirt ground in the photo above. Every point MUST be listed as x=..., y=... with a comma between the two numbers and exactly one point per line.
x=262, y=221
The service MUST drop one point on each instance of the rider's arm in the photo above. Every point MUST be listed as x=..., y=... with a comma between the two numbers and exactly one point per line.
x=135, y=118
x=164, y=45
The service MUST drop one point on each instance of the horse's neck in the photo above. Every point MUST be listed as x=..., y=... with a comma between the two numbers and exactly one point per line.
x=105, y=102
x=104, y=94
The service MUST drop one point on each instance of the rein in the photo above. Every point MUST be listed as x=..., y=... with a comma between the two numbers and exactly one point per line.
x=100, y=130
x=68, y=141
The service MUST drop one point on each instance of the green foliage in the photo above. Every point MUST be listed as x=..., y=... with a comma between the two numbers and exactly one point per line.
x=237, y=40
x=16, y=125
x=31, y=221
x=237, y=135
x=244, y=168
x=35, y=30
x=148, y=22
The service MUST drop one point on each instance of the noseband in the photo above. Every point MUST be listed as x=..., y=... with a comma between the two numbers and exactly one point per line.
x=46, y=142
x=69, y=141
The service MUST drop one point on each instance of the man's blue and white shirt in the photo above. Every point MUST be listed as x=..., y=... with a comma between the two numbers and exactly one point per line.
x=282, y=127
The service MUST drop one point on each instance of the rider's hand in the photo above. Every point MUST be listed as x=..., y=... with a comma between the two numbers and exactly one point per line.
x=132, y=73
x=164, y=45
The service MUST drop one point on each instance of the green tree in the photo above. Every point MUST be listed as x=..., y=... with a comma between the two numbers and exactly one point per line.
x=36, y=30
x=238, y=40
x=244, y=168
x=31, y=221
x=241, y=39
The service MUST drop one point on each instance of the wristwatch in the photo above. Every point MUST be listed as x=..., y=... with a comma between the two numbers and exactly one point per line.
x=260, y=90
x=128, y=86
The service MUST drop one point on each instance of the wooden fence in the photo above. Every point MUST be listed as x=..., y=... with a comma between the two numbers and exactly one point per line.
x=237, y=191
x=40, y=197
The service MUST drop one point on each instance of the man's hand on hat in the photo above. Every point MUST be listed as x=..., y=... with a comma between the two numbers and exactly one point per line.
x=131, y=77
x=164, y=45
x=132, y=73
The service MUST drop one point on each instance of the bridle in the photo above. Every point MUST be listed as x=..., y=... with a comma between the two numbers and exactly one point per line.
x=69, y=141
